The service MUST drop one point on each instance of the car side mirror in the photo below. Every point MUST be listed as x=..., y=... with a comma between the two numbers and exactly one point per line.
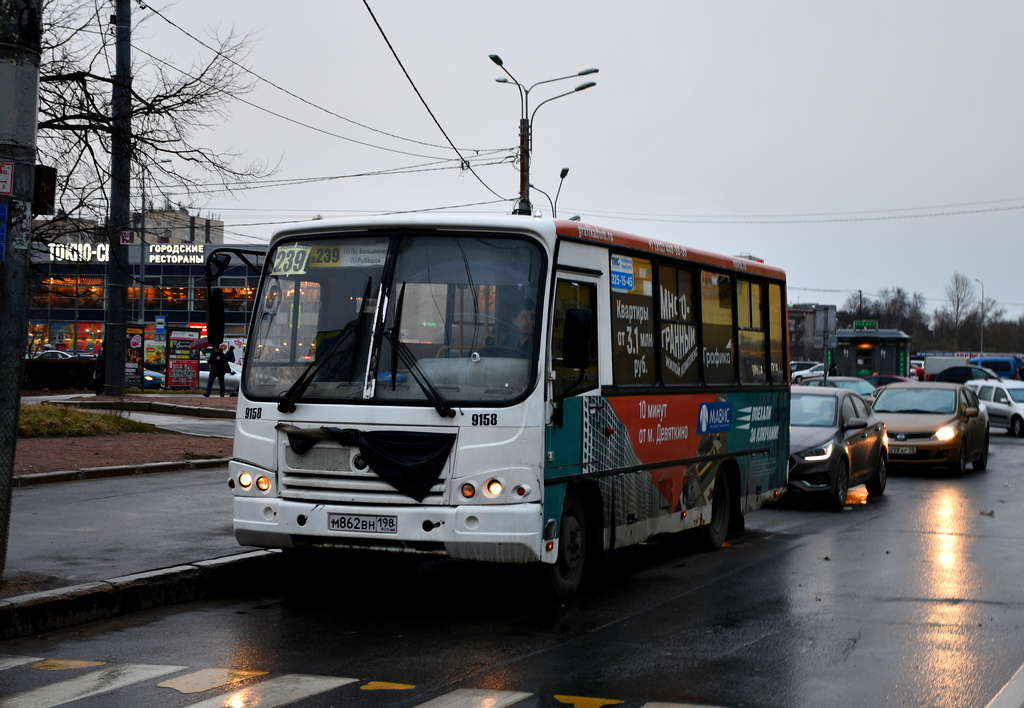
x=855, y=424
x=970, y=413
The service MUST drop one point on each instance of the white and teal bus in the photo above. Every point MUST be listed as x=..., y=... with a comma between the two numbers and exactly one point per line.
x=504, y=389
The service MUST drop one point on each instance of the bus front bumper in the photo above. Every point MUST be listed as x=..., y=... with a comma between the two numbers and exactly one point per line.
x=506, y=533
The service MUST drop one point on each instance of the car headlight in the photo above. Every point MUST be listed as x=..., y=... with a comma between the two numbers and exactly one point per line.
x=945, y=433
x=819, y=453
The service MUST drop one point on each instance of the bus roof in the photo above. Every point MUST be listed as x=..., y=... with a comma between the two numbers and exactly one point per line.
x=574, y=230
x=585, y=232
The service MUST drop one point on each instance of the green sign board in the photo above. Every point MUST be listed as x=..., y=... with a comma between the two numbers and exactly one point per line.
x=865, y=324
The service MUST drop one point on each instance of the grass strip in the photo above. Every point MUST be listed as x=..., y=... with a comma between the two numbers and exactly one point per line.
x=39, y=421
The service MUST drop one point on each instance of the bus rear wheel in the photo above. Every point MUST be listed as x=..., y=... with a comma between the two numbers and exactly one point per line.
x=567, y=572
x=721, y=509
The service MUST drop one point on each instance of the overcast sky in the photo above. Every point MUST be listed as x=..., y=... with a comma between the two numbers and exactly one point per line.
x=858, y=145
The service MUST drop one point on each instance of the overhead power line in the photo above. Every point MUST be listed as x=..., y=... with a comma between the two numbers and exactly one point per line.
x=424, y=101
x=279, y=87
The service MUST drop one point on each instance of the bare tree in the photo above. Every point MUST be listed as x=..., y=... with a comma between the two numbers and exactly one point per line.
x=170, y=108
x=960, y=295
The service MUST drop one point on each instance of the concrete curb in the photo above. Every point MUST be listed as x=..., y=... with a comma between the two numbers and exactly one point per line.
x=147, y=407
x=33, y=613
x=28, y=480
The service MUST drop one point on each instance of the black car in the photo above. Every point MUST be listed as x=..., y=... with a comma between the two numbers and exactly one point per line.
x=835, y=442
x=963, y=374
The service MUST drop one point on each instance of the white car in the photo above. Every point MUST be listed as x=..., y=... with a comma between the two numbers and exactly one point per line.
x=1004, y=401
x=232, y=379
x=799, y=375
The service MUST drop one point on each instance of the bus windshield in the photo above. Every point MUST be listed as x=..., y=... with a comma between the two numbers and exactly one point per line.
x=455, y=322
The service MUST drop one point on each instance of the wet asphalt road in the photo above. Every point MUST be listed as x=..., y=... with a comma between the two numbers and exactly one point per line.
x=915, y=599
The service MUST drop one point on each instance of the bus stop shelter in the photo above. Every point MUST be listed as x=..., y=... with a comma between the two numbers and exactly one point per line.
x=862, y=352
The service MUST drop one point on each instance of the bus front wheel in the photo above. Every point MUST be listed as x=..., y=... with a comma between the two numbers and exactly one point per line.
x=567, y=572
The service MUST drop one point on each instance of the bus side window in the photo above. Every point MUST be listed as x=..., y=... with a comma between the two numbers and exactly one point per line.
x=678, y=323
x=777, y=337
x=716, y=297
x=570, y=295
x=752, y=332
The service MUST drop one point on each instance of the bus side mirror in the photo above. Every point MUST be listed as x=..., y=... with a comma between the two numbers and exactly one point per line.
x=214, y=316
x=576, y=338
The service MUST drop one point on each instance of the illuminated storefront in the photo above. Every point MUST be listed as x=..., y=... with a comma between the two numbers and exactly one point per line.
x=69, y=293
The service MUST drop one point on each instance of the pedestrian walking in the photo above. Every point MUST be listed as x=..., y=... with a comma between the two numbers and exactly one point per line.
x=218, y=368
x=99, y=373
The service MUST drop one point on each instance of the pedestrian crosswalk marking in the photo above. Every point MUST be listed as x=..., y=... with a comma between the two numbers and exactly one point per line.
x=9, y=661
x=205, y=679
x=64, y=664
x=276, y=692
x=476, y=698
x=584, y=702
x=386, y=686
x=87, y=685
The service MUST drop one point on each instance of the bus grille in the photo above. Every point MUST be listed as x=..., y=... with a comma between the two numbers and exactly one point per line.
x=325, y=474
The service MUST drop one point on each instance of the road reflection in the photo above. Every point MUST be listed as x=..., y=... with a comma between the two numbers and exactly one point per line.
x=948, y=578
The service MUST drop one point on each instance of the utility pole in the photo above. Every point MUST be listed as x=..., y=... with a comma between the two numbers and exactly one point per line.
x=118, y=223
x=20, y=22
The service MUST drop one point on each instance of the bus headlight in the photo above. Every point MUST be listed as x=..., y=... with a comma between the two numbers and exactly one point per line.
x=468, y=490
x=494, y=487
x=245, y=480
x=262, y=484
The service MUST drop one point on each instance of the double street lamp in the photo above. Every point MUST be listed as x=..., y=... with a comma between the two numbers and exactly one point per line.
x=526, y=127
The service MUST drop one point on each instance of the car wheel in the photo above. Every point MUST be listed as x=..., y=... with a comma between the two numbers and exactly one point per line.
x=876, y=485
x=567, y=572
x=837, y=499
x=982, y=462
x=1017, y=426
x=721, y=508
x=959, y=468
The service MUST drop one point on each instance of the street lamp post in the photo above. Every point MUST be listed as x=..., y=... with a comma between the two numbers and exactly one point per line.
x=526, y=126
x=982, y=315
x=554, y=203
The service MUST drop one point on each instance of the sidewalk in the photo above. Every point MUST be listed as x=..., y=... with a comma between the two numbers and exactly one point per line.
x=109, y=546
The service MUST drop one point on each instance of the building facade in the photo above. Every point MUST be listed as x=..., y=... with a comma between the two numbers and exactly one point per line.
x=68, y=298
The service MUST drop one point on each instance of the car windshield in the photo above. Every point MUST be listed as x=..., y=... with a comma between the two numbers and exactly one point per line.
x=916, y=400
x=1017, y=394
x=446, y=328
x=861, y=387
x=810, y=411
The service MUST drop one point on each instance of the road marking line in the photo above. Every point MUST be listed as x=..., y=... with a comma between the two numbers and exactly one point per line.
x=9, y=661
x=475, y=698
x=1012, y=694
x=63, y=664
x=276, y=692
x=205, y=679
x=386, y=686
x=584, y=702
x=91, y=684
x=658, y=704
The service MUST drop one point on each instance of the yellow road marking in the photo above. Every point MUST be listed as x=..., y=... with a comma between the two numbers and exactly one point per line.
x=385, y=686
x=204, y=680
x=584, y=702
x=61, y=664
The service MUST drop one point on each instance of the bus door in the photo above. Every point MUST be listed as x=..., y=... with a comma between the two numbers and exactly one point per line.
x=574, y=393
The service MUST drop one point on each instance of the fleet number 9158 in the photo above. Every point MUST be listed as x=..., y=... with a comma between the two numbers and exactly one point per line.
x=253, y=413
x=485, y=419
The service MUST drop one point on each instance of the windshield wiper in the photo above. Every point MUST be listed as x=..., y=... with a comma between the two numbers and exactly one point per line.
x=409, y=359
x=287, y=402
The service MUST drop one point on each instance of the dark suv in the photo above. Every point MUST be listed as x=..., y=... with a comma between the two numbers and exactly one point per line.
x=962, y=374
